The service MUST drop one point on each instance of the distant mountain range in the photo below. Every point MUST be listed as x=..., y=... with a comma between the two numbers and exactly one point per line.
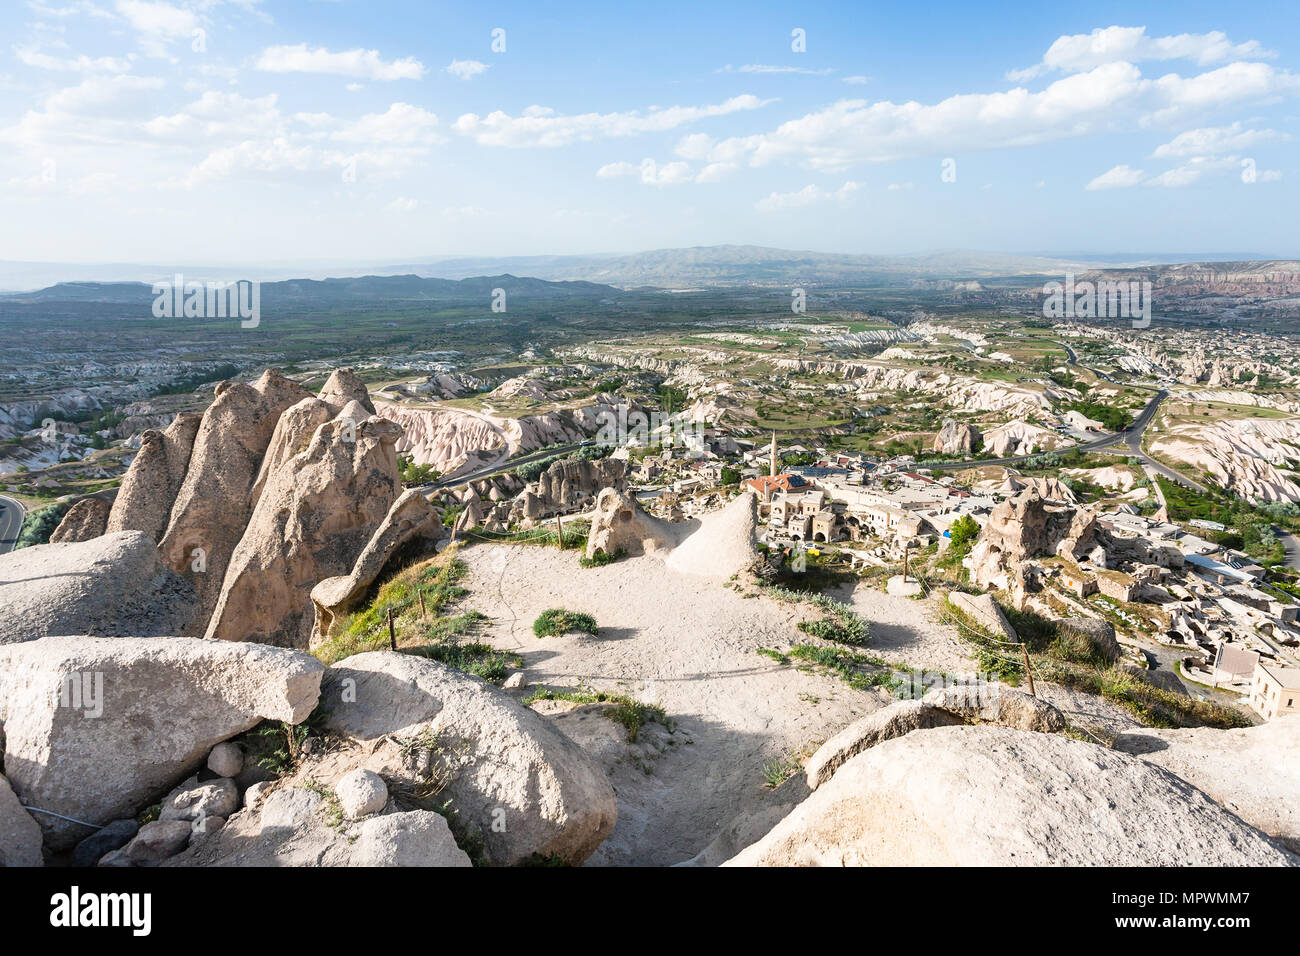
x=326, y=293
x=718, y=266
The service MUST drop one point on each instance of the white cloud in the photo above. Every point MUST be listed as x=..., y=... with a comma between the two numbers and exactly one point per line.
x=1085, y=51
x=364, y=64
x=858, y=131
x=78, y=64
x=1215, y=139
x=403, y=204
x=857, y=80
x=715, y=172
x=649, y=172
x=768, y=68
x=218, y=114
x=100, y=109
x=158, y=24
x=808, y=196
x=401, y=124
x=1118, y=177
x=464, y=69
x=543, y=126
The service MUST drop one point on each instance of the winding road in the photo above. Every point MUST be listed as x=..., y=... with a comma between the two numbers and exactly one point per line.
x=11, y=522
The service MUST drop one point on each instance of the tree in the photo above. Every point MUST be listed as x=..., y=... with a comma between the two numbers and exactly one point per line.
x=962, y=533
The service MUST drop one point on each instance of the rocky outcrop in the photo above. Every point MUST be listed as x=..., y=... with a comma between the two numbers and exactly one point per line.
x=1018, y=438
x=1254, y=771
x=214, y=501
x=570, y=485
x=108, y=586
x=986, y=614
x=973, y=796
x=1027, y=526
x=621, y=524
x=523, y=787
x=994, y=703
x=957, y=438
x=410, y=527
x=95, y=729
x=316, y=514
x=724, y=544
x=20, y=835
x=149, y=488
x=84, y=520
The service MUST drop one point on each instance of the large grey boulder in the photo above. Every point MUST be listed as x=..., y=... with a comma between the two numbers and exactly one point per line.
x=992, y=796
x=1254, y=771
x=514, y=780
x=95, y=729
x=20, y=835
x=110, y=586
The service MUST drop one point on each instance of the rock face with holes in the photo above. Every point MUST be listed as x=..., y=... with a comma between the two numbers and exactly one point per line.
x=95, y=728
x=109, y=586
x=570, y=485
x=975, y=796
x=957, y=438
x=148, y=491
x=519, y=785
x=84, y=520
x=621, y=524
x=1253, y=771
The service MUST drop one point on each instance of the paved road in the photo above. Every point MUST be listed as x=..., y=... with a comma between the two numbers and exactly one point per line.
x=1292, y=545
x=11, y=522
x=497, y=467
x=1132, y=437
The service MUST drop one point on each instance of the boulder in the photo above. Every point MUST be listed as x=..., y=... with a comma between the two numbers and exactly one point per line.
x=1253, y=771
x=214, y=501
x=193, y=801
x=154, y=843
x=85, y=520
x=621, y=524
x=415, y=838
x=112, y=837
x=996, y=703
x=895, y=720
x=109, y=586
x=1099, y=634
x=226, y=760
x=317, y=513
x=20, y=835
x=142, y=714
x=986, y=614
x=411, y=525
x=344, y=386
x=148, y=490
x=361, y=792
x=513, y=780
x=992, y=796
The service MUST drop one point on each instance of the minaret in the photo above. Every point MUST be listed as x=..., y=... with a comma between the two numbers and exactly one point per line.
x=773, y=471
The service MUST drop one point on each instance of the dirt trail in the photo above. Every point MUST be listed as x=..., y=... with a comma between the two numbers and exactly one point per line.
x=690, y=645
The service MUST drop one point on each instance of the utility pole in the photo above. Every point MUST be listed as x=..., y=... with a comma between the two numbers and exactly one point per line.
x=392, y=635
x=1029, y=674
x=559, y=533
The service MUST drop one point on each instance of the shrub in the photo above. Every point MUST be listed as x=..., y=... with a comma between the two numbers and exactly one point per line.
x=557, y=620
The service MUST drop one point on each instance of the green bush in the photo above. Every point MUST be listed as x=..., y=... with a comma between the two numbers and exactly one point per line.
x=557, y=620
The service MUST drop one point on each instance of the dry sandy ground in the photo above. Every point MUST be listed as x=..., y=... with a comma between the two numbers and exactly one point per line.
x=690, y=645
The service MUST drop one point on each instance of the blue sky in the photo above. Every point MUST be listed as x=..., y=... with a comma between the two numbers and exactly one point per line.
x=222, y=131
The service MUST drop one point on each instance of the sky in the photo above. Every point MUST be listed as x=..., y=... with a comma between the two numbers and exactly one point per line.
x=260, y=131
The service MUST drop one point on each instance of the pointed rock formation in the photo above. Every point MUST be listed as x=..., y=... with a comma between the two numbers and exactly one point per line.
x=214, y=502
x=620, y=524
x=84, y=520
x=316, y=514
x=144, y=501
x=724, y=544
